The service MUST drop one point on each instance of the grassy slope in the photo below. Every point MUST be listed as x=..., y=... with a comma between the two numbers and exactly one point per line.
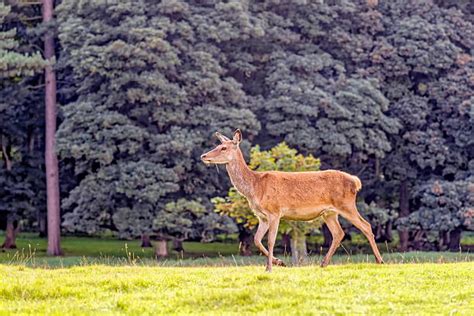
x=347, y=289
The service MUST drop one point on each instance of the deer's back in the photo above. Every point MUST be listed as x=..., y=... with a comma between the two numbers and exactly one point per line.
x=303, y=195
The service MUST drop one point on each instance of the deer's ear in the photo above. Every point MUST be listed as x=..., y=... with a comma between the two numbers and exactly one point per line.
x=237, y=137
x=221, y=137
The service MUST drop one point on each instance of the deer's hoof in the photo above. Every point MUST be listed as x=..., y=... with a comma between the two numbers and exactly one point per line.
x=324, y=264
x=279, y=263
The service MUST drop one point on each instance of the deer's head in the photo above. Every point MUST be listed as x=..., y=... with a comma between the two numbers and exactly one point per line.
x=226, y=151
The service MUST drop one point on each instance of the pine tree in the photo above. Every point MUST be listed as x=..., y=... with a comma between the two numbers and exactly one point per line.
x=149, y=90
x=21, y=176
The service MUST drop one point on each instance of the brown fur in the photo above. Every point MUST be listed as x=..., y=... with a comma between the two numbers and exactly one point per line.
x=275, y=195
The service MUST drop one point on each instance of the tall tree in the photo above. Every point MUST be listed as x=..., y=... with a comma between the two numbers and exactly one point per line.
x=148, y=94
x=51, y=160
x=382, y=90
x=21, y=176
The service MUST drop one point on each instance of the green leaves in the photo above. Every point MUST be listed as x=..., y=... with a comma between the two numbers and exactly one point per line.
x=384, y=93
x=444, y=206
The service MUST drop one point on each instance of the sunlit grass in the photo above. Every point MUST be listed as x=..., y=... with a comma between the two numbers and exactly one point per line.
x=108, y=276
x=339, y=289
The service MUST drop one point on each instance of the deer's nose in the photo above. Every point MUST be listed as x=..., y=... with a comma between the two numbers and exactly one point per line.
x=203, y=156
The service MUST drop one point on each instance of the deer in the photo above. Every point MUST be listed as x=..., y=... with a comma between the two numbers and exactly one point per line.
x=298, y=196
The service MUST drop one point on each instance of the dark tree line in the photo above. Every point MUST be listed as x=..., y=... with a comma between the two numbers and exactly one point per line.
x=381, y=89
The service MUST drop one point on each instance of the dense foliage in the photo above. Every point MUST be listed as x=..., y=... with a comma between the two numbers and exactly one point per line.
x=22, y=187
x=381, y=89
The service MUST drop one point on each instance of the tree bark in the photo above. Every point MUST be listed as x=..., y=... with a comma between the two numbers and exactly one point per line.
x=388, y=231
x=455, y=240
x=379, y=236
x=145, y=241
x=8, y=162
x=404, y=200
x=42, y=225
x=51, y=160
x=299, y=252
x=178, y=245
x=245, y=242
x=11, y=232
x=443, y=240
x=286, y=243
x=161, y=249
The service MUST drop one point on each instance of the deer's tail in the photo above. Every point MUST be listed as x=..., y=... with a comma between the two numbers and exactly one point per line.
x=358, y=183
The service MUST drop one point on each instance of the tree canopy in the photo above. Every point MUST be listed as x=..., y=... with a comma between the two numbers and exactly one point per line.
x=380, y=89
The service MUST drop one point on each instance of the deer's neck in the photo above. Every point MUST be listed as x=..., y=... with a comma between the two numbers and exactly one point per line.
x=241, y=176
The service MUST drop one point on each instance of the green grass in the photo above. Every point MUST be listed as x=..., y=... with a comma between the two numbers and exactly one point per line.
x=86, y=251
x=29, y=245
x=108, y=276
x=413, y=289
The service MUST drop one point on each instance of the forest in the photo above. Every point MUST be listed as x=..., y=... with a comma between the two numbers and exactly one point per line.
x=124, y=97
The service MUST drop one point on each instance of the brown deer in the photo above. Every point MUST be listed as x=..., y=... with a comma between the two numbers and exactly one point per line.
x=300, y=196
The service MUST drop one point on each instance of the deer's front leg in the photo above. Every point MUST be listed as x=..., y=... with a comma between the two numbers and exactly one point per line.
x=261, y=231
x=273, y=223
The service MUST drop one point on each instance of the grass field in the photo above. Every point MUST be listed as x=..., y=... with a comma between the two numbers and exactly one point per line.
x=107, y=276
x=413, y=289
x=86, y=251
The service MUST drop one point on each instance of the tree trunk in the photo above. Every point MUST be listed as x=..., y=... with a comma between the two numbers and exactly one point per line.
x=455, y=240
x=327, y=236
x=178, y=245
x=418, y=240
x=286, y=243
x=161, y=249
x=443, y=240
x=11, y=232
x=379, y=236
x=299, y=253
x=145, y=241
x=42, y=225
x=8, y=162
x=51, y=160
x=388, y=231
x=245, y=242
x=404, y=212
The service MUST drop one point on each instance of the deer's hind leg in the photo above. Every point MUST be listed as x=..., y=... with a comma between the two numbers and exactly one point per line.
x=352, y=215
x=332, y=222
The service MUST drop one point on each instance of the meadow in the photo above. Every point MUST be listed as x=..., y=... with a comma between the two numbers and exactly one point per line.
x=108, y=276
x=415, y=289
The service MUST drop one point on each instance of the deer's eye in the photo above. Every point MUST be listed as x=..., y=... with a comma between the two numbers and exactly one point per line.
x=224, y=148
